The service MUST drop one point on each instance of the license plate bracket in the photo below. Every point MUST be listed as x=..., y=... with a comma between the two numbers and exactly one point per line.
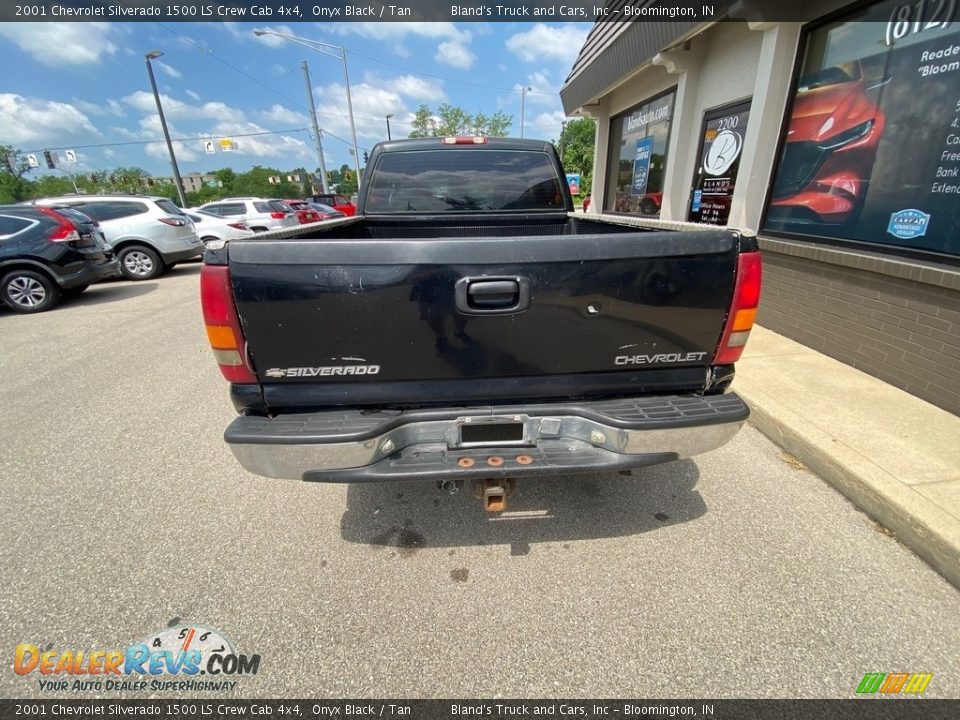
x=491, y=433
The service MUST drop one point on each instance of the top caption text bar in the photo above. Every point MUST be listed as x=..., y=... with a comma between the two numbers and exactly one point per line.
x=293, y=11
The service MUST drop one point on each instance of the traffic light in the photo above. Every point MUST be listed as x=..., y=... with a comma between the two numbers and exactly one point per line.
x=48, y=156
x=365, y=156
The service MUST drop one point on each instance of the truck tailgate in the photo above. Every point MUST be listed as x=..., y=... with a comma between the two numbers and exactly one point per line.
x=329, y=319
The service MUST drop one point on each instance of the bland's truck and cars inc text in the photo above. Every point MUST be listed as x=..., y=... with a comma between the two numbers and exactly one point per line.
x=466, y=325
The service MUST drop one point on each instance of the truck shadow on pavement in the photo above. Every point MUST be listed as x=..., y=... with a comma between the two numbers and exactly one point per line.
x=414, y=515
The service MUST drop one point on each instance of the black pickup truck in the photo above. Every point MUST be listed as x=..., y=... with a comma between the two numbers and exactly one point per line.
x=467, y=324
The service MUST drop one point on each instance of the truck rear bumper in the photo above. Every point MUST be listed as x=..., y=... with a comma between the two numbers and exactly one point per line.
x=485, y=442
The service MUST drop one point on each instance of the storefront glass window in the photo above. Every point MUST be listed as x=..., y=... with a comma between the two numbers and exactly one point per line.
x=639, y=139
x=721, y=142
x=872, y=151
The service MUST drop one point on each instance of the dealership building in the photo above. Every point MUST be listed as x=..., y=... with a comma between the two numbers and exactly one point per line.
x=835, y=137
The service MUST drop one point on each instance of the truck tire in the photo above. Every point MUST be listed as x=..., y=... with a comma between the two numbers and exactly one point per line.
x=139, y=262
x=27, y=291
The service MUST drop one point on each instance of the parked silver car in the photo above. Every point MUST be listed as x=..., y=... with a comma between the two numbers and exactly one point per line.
x=149, y=234
x=213, y=227
x=258, y=213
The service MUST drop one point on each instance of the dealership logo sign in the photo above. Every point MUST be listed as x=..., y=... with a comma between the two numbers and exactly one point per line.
x=723, y=152
x=908, y=224
x=170, y=659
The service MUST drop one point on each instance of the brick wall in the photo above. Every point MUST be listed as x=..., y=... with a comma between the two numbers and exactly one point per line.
x=896, y=320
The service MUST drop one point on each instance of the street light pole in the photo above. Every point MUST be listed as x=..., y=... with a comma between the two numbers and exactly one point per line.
x=388, y=126
x=152, y=55
x=353, y=128
x=316, y=129
x=523, y=105
x=342, y=57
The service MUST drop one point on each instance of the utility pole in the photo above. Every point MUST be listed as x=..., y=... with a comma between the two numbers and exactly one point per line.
x=152, y=55
x=523, y=105
x=316, y=129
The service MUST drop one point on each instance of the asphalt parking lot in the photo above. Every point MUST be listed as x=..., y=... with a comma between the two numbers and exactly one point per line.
x=739, y=574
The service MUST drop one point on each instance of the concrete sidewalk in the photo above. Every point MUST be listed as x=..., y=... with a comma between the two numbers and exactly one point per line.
x=896, y=457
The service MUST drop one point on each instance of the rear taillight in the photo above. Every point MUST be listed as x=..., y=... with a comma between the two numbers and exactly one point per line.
x=223, y=324
x=278, y=215
x=239, y=226
x=470, y=140
x=175, y=222
x=743, y=309
x=65, y=231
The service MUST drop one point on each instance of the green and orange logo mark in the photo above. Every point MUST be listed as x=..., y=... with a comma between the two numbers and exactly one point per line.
x=894, y=683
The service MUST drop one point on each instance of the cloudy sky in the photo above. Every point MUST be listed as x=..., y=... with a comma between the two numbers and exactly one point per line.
x=85, y=87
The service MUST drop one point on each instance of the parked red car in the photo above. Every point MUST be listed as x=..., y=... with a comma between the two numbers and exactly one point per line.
x=831, y=142
x=325, y=211
x=340, y=203
x=305, y=213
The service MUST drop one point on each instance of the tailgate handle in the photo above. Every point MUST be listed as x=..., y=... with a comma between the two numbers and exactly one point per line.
x=493, y=295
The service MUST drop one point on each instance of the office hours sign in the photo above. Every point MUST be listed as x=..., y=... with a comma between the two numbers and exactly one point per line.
x=721, y=146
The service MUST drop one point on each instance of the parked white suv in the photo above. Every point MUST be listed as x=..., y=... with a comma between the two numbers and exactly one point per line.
x=258, y=213
x=149, y=234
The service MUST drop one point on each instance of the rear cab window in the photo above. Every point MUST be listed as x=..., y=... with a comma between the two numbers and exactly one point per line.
x=451, y=181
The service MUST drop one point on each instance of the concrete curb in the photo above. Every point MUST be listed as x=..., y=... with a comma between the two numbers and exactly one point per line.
x=918, y=523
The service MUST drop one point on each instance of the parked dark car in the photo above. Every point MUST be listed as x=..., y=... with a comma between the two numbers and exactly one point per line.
x=46, y=253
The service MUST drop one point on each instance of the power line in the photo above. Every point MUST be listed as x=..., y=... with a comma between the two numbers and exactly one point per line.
x=297, y=103
x=211, y=53
x=440, y=77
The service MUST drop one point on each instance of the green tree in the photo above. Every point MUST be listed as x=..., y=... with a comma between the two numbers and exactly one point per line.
x=13, y=166
x=348, y=183
x=50, y=186
x=576, y=150
x=453, y=120
x=423, y=124
x=497, y=125
x=205, y=195
x=226, y=176
x=13, y=188
x=127, y=179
